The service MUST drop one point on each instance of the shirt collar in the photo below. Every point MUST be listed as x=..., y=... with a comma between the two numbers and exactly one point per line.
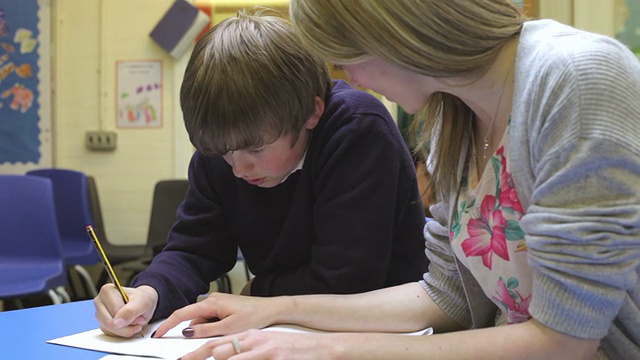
x=299, y=167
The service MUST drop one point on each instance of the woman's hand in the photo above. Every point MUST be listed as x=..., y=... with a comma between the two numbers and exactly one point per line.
x=222, y=314
x=529, y=340
x=256, y=344
x=126, y=320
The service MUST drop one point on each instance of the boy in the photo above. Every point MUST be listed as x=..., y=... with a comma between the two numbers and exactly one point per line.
x=310, y=178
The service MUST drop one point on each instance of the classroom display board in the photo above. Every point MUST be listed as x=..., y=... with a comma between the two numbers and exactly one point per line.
x=139, y=90
x=25, y=97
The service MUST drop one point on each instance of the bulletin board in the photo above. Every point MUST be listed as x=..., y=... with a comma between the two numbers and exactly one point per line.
x=25, y=85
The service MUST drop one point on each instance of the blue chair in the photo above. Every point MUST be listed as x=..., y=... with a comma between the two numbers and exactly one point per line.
x=73, y=212
x=30, y=251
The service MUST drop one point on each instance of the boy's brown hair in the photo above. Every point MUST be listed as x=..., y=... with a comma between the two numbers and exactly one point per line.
x=250, y=80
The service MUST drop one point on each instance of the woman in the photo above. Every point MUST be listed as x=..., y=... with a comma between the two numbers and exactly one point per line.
x=534, y=251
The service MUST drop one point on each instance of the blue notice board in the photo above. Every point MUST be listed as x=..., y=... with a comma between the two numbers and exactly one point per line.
x=25, y=110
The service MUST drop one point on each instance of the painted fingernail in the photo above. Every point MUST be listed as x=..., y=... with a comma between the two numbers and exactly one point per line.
x=153, y=334
x=188, y=332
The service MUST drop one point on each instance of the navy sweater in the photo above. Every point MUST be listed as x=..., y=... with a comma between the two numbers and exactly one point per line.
x=349, y=221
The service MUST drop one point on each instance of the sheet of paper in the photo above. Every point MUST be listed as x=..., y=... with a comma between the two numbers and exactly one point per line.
x=171, y=346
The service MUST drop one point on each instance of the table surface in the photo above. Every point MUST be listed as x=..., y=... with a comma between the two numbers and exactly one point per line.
x=23, y=333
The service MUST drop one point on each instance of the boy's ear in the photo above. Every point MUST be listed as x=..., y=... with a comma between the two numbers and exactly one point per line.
x=312, y=122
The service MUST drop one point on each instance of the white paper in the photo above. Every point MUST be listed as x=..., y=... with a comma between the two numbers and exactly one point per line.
x=171, y=346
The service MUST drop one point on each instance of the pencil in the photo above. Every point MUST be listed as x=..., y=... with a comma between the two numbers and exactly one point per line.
x=106, y=263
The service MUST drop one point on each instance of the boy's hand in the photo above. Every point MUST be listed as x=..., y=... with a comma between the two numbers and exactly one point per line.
x=125, y=320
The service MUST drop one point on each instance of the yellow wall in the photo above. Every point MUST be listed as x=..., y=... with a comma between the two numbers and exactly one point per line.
x=591, y=15
x=90, y=36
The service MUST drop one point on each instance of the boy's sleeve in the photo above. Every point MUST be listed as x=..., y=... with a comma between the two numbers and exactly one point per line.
x=199, y=249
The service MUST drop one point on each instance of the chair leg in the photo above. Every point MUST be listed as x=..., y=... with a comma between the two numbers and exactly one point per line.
x=55, y=298
x=90, y=287
x=246, y=270
x=224, y=284
x=60, y=290
x=102, y=279
x=17, y=303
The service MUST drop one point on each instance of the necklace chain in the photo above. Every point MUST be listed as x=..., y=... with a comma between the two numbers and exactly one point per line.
x=485, y=140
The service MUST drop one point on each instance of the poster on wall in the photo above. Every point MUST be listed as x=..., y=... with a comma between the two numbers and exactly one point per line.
x=139, y=93
x=25, y=98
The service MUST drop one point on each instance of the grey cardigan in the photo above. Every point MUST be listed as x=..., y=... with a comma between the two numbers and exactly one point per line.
x=575, y=157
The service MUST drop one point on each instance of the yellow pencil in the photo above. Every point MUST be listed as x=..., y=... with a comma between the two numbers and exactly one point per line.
x=106, y=263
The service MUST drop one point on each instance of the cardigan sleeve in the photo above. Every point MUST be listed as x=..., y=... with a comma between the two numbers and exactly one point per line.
x=581, y=174
x=443, y=282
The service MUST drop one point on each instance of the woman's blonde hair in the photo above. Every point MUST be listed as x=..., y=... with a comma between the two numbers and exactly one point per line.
x=437, y=38
x=250, y=80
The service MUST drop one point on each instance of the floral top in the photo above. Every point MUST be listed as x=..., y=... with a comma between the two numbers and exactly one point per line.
x=486, y=236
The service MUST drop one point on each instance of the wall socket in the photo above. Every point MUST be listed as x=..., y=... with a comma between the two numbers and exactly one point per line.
x=101, y=140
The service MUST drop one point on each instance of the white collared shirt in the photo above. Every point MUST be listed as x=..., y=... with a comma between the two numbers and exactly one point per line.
x=299, y=167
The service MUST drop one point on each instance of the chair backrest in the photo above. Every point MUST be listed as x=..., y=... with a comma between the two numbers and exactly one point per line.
x=73, y=211
x=167, y=196
x=28, y=227
x=96, y=209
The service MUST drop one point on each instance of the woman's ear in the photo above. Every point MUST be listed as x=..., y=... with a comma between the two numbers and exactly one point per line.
x=313, y=120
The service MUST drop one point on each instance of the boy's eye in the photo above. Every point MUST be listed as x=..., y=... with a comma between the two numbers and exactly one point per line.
x=229, y=150
x=336, y=67
x=256, y=151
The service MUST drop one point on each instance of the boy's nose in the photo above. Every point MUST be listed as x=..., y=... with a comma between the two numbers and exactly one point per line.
x=241, y=167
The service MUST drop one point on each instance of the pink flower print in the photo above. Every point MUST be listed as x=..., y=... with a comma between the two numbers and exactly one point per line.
x=508, y=195
x=509, y=198
x=513, y=303
x=487, y=234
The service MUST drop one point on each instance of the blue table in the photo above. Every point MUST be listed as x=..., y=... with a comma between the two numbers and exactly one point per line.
x=23, y=333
